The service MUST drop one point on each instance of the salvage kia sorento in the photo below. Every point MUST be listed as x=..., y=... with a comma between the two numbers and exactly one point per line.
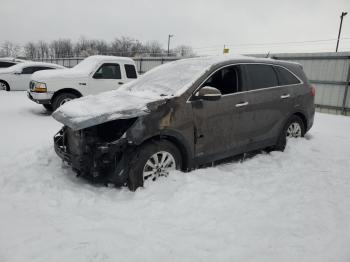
x=182, y=115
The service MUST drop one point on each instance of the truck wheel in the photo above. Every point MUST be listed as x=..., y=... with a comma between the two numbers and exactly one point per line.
x=153, y=160
x=4, y=86
x=62, y=99
x=48, y=107
x=293, y=128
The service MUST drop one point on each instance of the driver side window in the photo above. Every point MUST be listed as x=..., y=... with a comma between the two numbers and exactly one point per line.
x=28, y=70
x=227, y=80
x=108, y=71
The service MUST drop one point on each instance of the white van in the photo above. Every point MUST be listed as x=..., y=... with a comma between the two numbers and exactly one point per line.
x=93, y=75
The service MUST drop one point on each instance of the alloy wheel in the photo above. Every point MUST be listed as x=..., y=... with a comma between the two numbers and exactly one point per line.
x=3, y=86
x=294, y=130
x=159, y=164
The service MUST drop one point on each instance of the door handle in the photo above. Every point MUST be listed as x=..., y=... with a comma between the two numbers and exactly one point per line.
x=242, y=104
x=120, y=83
x=285, y=96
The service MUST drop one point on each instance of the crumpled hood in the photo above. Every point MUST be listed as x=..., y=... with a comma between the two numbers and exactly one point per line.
x=69, y=73
x=93, y=110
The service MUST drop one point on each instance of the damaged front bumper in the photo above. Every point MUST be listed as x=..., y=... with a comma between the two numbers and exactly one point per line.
x=103, y=162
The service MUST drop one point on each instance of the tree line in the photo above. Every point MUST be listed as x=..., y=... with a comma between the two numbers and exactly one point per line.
x=60, y=48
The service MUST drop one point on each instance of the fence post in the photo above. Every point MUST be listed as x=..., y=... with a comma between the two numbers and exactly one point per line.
x=140, y=68
x=346, y=91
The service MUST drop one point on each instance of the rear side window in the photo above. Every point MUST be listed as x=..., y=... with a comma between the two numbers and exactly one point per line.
x=285, y=77
x=108, y=71
x=261, y=76
x=130, y=71
x=33, y=69
x=6, y=64
x=43, y=68
x=28, y=70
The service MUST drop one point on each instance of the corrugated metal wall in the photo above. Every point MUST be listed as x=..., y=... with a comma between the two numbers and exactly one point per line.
x=329, y=73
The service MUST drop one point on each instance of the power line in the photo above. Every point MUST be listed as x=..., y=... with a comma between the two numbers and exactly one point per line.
x=272, y=43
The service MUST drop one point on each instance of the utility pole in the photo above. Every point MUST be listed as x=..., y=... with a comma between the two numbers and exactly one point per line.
x=170, y=36
x=341, y=23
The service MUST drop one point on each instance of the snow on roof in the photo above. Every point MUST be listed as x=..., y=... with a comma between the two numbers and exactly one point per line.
x=91, y=62
x=84, y=68
x=12, y=59
x=20, y=66
x=30, y=63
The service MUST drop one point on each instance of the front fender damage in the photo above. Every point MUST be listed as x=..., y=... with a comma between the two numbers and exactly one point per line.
x=105, y=152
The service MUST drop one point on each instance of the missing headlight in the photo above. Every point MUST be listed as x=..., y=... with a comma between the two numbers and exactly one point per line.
x=113, y=130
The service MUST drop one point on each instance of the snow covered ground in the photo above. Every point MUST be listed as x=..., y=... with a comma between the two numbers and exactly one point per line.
x=291, y=206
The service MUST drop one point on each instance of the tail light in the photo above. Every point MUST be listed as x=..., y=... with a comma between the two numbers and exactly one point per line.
x=313, y=91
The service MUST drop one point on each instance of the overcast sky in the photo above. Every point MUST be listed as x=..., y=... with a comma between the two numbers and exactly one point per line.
x=204, y=25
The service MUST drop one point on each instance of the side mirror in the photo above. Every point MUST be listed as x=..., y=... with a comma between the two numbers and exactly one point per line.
x=18, y=72
x=208, y=93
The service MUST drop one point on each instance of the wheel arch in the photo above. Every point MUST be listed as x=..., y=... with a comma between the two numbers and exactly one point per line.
x=302, y=117
x=66, y=90
x=6, y=83
x=179, y=142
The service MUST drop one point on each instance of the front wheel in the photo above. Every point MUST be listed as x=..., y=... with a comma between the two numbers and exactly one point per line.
x=151, y=161
x=294, y=128
x=61, y=99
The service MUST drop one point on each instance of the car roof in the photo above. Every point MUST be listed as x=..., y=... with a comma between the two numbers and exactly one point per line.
x=11, y=59
x=230, y=59
x=30, y=63
x=109, y=58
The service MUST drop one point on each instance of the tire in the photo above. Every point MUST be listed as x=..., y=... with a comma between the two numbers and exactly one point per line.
x=61, y=99
x=4, y=86
x=294, y=123
x=140, y=169
x=48, y=107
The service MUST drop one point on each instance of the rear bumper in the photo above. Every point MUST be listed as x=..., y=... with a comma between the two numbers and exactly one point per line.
x=40, y=98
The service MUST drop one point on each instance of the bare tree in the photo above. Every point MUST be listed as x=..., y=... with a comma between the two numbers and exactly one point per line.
x=183, y=51
x=61, y=48
x=42, y=49
x=154, y=48
x=30, y=50
x=85, y=47
x=101, y=46
x=123, y=46
x=9, y=49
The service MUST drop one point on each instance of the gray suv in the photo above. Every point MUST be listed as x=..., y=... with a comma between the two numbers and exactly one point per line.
x=184, y=114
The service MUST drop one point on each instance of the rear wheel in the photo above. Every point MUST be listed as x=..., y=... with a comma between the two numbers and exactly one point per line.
x=4, y=86
x=294, y=128
x=61, y=99
x=151, y=161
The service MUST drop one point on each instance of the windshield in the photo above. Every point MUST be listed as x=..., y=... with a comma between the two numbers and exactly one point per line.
x=171, y=79
x=87, y=65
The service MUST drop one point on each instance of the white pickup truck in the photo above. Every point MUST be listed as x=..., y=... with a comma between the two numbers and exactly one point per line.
x=93, y=75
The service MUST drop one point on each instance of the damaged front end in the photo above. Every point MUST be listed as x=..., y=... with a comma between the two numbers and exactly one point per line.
x=96, y=152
